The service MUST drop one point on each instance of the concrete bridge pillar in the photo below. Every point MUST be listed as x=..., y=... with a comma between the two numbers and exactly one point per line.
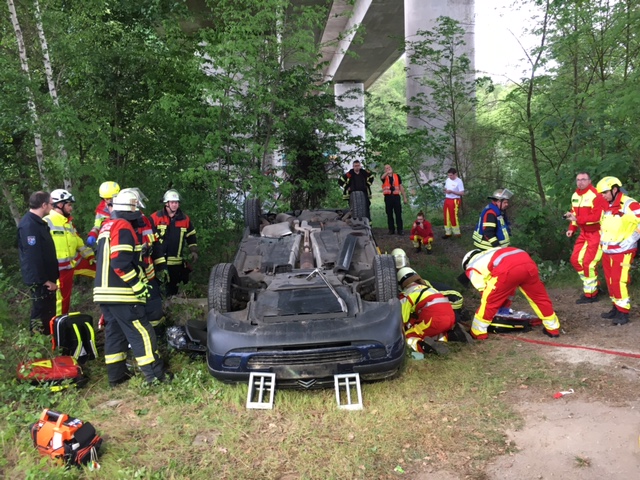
x=423, y=15
x=350, y=95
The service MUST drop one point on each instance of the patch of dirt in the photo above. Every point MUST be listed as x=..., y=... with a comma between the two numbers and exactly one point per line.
x=591, y=434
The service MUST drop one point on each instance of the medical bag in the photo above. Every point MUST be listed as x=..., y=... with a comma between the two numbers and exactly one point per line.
x=73, y=334
x=58, y=372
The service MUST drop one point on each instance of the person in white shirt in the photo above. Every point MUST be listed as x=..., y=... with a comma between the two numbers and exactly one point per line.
x=454, y=190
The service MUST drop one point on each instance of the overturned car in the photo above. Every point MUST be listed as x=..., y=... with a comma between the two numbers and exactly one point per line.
x=307, y=296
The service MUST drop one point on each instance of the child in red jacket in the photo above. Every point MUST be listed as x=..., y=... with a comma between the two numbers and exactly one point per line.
x=421, y=233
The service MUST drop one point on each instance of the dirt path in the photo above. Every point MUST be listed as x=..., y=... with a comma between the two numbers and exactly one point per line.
x=588, y=434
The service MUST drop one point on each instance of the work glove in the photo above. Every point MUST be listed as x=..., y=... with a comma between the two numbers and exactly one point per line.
x=92, y=261
x=91, y=241
x=142, y=290
x=163, y=275
x=505, y=311
x=194, y=257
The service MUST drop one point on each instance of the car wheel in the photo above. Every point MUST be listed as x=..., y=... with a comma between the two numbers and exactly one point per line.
x=221, y=280
x=384, y=269
x=252, y=210
x=359, y=205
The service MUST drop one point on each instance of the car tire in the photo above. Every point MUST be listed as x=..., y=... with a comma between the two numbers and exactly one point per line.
x=384, y=270
x=221, y=280
x=252, y=210
x=359, y=205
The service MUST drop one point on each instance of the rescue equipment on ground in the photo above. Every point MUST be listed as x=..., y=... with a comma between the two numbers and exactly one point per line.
x=73, y=334
x=59, y=373
x=68, y=441
x=513, y=321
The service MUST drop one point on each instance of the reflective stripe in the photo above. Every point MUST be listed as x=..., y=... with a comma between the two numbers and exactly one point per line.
x=115, y=358
x=502, y=256
x=148, y=356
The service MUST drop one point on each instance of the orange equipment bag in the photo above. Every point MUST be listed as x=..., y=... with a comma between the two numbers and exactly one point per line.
x=68, y=441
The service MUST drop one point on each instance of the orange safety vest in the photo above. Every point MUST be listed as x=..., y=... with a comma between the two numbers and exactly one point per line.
x=386, y=185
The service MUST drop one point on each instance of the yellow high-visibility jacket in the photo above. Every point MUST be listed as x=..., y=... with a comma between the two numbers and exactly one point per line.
x=70, y=247
x=620, y=225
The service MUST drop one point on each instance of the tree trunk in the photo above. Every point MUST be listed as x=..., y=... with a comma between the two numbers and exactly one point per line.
x=8, y=198
x=31, y=103
x=52, y=92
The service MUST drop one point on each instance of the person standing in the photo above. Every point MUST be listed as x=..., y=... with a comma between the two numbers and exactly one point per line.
x=175, y=231
x=454, y=190
x=620, y=232
x=121, y=289
x=356, y=180
x=106, y=191
x=71, y=251
x=38, y=262
x=493, y=228
x=497, y=273
x=421, y=233
x=392, y=189
x=586, y=209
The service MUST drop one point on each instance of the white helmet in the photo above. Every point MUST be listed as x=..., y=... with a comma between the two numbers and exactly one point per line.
x=501, y=194
x=138, y=193
x=468, y=256
x=171, y=196
x=126, y=201
x=400, y=258
x=407, y=275
x=62, y=195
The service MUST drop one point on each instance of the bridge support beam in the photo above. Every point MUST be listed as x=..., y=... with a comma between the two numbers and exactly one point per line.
x=350, y=95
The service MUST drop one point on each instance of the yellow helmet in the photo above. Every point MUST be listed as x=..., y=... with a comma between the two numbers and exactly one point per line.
x=109, y=189
x=607, y=183
x=400, y=258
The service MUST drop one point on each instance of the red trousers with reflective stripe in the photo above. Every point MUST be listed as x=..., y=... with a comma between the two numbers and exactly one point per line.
x=63, y=294
x=617, y=268
x=585, y=257
x=451, y=224
x=440, y=315
x=516, y=271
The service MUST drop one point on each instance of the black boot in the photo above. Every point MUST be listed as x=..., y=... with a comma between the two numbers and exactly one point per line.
x=620, y=318
x=610, y=314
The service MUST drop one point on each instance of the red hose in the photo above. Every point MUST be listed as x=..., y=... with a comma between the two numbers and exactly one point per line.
x=566, y=345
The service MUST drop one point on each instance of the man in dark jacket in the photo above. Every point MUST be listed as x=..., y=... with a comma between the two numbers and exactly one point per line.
x=356, y=180
x=38, y=262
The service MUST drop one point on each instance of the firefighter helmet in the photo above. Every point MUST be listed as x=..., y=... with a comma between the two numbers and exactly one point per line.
x=62, y=195
x=501, y=194
x=400, y=258
x=108, y=189
x=171, y=196
x=607, y=183
x=406, y=276
x=141, y=197
x=468, y=256
x=126, y=201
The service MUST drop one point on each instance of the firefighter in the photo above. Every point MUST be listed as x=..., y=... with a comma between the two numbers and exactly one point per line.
x=493, y=228
x=426, y=313
x=175, y=230
x=620, y=231
x=38, y=263
x=497, y=273
x=106, y=191
x=356, y=180
x=586, y=209
x=74, y=257
x=453, y=190
x=421, y=234
x=154, y=263
x=400, y=258
x=121, y=289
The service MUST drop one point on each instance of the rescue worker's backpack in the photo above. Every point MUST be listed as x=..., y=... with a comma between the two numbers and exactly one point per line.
x=74, y=335
x=57, y=373
x=68, y=441
x=509, y=321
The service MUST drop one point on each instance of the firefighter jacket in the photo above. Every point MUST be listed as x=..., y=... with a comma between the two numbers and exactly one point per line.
x=493, y=229
x=352, y=182
x=587, y=206
x=174, y=233
x=417, y=297
x=37, y=251
x=102, y=214
x=119, y=270
x=422, y=230
x=152, y=255
x=390, y=184
x=480, y=267
x=620, y=225
x=70, y=249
